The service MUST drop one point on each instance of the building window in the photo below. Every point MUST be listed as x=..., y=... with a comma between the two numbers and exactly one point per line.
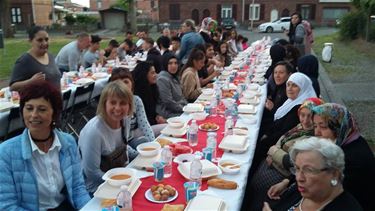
x=226, y=11
x=334, y=13
x=306, y=11
x=174, y=12
x=99, y=4
x=254, y=12
x=16, y=15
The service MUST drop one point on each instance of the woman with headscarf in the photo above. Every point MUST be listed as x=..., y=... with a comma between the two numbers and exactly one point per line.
x=172, y=100
x=276, y=166
x=309, y=65
x=277, y=53
x=208, y=26
x=334, y=122
x=298, y=89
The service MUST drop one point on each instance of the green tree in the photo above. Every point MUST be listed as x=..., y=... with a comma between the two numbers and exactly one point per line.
x=368, y=8
x=5, y=18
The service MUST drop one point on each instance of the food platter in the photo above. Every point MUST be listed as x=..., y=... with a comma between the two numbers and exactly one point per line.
x=209, y=127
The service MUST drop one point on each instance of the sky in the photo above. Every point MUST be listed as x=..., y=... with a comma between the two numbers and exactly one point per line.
x=85, y=3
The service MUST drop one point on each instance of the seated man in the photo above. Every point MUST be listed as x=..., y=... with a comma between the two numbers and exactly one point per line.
x=69, y=56
x=93, y=54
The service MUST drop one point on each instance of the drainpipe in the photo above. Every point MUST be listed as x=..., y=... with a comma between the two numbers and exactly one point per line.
x=33, y=8
x=252, y=16
x=243, y=11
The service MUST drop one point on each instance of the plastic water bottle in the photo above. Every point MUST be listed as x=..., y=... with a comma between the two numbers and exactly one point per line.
x=193, y=133
x=81, y=71
x=166, y=158
x=124, y=199
x=117, y=62
x=196, y=170
x=228, y=126
x=211, y=143
x=93, y=68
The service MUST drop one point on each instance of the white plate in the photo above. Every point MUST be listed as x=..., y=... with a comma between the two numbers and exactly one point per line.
x=183, y=158
x=248, y=118
x=100, y=75
x=236, y=151
x=174, y=132
x=247, y=109
x=83, y=81
x=193, y=107
x=206, y=202
x=107, y=191
x=184, y=169
x=148, y=195
x=252, y=101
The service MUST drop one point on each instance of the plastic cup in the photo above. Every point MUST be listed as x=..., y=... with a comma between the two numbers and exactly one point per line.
x=158, y=171
x=191, y=189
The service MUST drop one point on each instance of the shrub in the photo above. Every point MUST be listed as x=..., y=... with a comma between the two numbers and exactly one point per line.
x=70, y=19
x=86, y=19
x=352, y=25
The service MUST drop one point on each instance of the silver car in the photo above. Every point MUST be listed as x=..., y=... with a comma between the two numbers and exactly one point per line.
x=275, y=26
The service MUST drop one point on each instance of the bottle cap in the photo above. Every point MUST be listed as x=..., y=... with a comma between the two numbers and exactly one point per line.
x=124, y=187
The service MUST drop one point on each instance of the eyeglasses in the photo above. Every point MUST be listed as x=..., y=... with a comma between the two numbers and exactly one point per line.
x=307, y=171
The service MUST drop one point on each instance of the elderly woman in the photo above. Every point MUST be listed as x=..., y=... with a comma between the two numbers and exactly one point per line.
x=172, y=100
x=296, y=33
x=319, y=170
x=140, y=130
x=40, y=169
x=276, y=166
x=191, y=87
x=103, y=141
x=298, y=89
x=334, y=122
x=207, y=27
x=37, y=64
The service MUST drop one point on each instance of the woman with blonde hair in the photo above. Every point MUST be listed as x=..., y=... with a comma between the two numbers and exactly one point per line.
x=103, y=141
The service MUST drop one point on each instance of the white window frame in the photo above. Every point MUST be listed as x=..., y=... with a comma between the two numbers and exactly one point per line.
x=16, y=15
x=306, y=8
x=99, y=4
x=226, y=11
x=256, y=15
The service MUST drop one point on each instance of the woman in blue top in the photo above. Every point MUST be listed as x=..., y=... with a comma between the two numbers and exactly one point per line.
x=40, y=169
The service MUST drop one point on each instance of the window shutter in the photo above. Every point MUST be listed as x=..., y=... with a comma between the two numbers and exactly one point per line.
x=247, y=12
x=313, y=10
x=234, y=11
x=218, y=13
x=261, y=15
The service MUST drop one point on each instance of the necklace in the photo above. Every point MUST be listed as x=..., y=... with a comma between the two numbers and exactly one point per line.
x=43, y=140
x=320, y=208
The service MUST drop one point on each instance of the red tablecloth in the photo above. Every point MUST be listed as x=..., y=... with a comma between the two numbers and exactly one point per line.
x=176, y=180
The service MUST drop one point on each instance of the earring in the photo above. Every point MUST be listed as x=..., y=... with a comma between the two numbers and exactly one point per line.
x=333, y=182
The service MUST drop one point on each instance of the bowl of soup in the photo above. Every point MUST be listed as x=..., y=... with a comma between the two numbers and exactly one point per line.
x=229, y=166
x=119, y=176
x=175, y=122
x=149, y=149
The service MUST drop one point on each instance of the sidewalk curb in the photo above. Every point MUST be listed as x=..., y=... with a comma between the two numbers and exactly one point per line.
x=328, y=90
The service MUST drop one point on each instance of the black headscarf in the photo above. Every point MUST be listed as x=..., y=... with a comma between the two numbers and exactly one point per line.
x=309, y=65
x=165, y=64
x=277, y=53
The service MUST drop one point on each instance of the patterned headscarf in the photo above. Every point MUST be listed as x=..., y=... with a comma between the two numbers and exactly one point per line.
x=299, y=131
x=340, y=121
x=205, y=24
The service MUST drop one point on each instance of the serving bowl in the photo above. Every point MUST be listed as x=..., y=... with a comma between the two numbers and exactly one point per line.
x=199, y=116
x=175, y=122
x=119, y=176
x=149, y=149
x=229, y=166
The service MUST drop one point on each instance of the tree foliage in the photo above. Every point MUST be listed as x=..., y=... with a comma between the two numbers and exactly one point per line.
x=123, y=4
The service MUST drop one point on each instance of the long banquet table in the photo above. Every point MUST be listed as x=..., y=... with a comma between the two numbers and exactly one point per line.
x=99, y=85
x=232, y=198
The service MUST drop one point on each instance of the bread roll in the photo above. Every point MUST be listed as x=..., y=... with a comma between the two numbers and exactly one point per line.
x=222, y=184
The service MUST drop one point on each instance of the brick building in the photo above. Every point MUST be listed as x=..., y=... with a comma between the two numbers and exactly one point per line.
x=320, y=12
x=96, y=5
x=24, y=13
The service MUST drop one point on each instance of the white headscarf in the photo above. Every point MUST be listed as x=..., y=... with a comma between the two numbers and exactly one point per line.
x=306, y=91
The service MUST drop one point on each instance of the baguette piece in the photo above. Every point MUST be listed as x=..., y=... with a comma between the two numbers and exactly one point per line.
x=174, y=207
x=222, y=184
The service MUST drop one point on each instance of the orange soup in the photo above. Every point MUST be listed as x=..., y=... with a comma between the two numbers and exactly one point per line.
x=148, y=148
x=227, y=164
x=120, y=177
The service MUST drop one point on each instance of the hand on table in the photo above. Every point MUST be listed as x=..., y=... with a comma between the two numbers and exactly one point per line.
x=160, y=119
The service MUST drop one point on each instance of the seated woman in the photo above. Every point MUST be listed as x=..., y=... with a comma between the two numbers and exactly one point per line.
x=36, y=65
x=145, y=87
x=40, y=169
x=319, y=170
x=208, y=73
x=103, y=141
x=140, y=130
x=172, y=100
x=277, y=54
x=222, y=54
x=309, y=65
x=272, y=169
x=299, y=88
x=276, y=93
x=334, y=122
x=191, y=87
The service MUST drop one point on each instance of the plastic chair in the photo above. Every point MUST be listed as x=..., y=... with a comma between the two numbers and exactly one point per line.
x=15, y=124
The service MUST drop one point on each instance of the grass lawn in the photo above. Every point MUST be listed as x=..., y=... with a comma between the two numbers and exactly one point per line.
x=352, y=62
x=14, y=48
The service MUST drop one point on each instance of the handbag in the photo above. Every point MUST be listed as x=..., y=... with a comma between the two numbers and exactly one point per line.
x=118, y=157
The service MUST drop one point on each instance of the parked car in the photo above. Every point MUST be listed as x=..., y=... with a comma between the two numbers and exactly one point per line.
x=275, y=26
x=228, y=23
